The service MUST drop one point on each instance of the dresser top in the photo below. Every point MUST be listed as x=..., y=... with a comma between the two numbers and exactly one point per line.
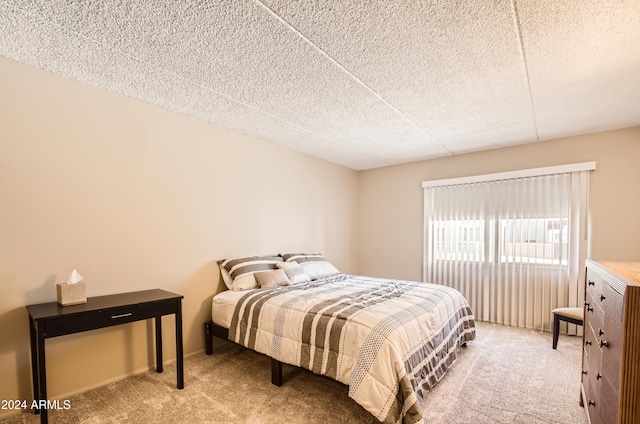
x=630, y=271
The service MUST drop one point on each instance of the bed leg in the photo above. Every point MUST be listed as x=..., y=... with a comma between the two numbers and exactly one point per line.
x=208, y=337
x=276, y=372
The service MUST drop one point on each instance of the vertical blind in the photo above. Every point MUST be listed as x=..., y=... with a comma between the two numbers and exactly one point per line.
x=513, y=244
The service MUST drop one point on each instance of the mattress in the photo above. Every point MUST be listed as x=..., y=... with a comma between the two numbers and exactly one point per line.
x=223, y=304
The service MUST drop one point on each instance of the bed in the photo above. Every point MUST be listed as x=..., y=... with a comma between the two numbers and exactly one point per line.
x=390, y=341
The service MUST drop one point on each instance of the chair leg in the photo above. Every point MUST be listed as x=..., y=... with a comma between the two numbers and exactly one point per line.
x=556, y=330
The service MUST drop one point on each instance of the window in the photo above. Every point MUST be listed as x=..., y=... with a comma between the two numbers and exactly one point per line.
x=513, y=243
x=458, y=240
x=530, y=240
x=534, y=240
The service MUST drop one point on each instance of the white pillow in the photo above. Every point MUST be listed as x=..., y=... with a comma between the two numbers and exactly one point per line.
x=244, y=282
x=294, y=271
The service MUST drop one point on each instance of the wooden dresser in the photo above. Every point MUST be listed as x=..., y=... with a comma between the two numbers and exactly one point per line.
x=611, y=354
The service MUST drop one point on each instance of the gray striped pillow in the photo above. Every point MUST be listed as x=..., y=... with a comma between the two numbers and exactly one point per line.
x=315, y=265
x=240, y=270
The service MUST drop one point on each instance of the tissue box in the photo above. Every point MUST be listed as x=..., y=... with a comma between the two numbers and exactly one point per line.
x=71, y=294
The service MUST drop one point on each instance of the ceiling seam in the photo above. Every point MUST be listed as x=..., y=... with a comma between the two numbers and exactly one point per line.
x=516, y=18
x=352, y=75
x=212, y=90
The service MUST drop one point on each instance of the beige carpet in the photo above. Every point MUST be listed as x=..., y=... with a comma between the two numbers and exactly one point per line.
x=506, y=375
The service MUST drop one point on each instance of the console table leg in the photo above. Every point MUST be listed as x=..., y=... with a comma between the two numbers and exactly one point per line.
x=42, y=375
x=159, y=365
x=34, y=361
x=179, y=347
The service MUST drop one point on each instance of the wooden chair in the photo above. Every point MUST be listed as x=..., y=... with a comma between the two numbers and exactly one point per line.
x=571, y=315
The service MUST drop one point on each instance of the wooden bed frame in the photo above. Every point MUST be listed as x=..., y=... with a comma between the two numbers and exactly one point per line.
x=212, y=330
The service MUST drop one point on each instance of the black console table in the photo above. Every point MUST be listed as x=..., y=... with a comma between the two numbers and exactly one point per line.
x=48, y=320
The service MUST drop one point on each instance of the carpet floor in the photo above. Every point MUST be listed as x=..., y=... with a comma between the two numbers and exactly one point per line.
x=507, y=375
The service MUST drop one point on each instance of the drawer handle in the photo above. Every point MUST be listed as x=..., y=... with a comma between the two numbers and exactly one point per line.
x=604, y=343
x=591, y=283
x=121, y=315
x=599, y=376
x=589, y=309
x=600, y=332
x=584, y=372
x=592, y=403
x=602, y=297
x=588, y=342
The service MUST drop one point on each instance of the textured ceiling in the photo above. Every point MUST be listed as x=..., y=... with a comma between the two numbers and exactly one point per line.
x=356, y=82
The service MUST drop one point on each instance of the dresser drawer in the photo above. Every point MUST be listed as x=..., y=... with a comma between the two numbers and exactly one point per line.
x=592, y=360
x=593, y=318
x=588, y=367
x=595, y=283
x=603, y=312
x=107, y=317
x=610, y=345
x=591, y=400
x=610, y=301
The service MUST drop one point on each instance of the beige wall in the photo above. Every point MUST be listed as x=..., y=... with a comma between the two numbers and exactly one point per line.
x=391, y=199
x=137, y=197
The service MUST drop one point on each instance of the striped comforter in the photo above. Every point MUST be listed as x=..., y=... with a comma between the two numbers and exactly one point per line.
x=389, y=341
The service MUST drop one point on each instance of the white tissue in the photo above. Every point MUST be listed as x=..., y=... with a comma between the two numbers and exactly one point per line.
x=74, y=277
